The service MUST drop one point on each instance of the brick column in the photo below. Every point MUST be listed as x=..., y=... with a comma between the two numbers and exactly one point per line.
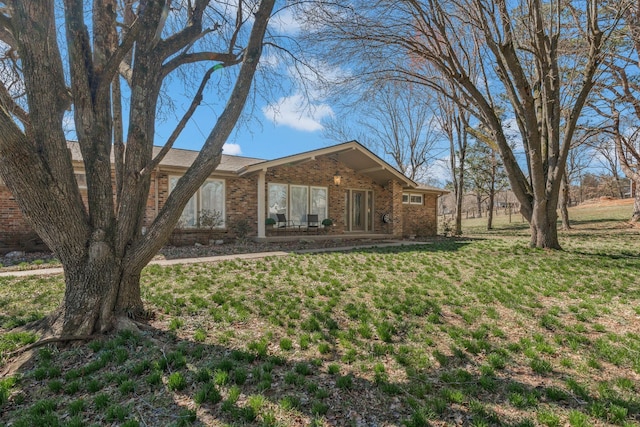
x=396, y=207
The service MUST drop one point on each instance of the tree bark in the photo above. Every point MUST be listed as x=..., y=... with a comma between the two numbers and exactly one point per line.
x=543, y=226
x=479, y=202
x=492, y=196
x=635, y=216
x=97, y=292
x=459, y=194
x=624, y=150
x=564, y=203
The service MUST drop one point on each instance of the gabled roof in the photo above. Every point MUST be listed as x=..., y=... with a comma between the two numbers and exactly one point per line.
x=181, y=159
x=352, y=154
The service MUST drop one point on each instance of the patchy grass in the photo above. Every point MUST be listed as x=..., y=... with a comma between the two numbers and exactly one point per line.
x=479, y=332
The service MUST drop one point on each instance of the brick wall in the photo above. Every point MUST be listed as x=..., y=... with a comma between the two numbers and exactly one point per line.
x=241, y=210
x=11, y=219
x=15, y=232
x=241, y=202
x=320, y=173
x=421, y=220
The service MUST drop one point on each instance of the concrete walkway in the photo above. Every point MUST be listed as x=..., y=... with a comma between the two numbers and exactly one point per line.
x=219, y=258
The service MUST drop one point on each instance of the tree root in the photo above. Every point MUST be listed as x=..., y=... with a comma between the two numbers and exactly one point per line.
x=49, y=341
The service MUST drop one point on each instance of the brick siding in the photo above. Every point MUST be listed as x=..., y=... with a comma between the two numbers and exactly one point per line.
x=241, y=203
x=421, y=220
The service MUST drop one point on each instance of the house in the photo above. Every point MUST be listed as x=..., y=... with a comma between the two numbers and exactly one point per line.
x=347, y=183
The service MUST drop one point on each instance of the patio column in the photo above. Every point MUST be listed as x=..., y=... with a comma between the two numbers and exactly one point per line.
x=261, y=203
x=396, y=208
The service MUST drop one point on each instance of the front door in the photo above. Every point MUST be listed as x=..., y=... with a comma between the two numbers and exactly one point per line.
x=358, y=210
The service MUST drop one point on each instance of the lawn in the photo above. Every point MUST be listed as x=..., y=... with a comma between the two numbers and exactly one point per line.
x=477, y=331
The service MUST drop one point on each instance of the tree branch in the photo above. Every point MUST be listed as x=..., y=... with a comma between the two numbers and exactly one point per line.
x=6, y=32
x=188, y=35
x=12, y=108
x=197, y=99
x=226, y=59
x=114, y=63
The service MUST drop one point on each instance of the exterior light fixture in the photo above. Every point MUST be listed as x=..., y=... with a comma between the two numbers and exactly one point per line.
x=337, y=179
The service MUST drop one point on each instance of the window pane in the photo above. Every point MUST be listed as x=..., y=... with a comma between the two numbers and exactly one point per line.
x=416, y=199
x=212, y=199
x=319, y=202
x=277, y=200
x=188, y=217
x=81, y=179
x=405, y=198
x=299, y=204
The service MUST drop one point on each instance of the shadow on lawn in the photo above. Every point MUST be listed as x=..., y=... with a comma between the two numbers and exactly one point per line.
x=451, y=244
x=252, y=387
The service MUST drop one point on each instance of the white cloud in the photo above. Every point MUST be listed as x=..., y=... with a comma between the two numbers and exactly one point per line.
x=269, y=61
x=297, y=113
x=440, y=170
x=231, y=149
x=285, y=21
x=319, y=76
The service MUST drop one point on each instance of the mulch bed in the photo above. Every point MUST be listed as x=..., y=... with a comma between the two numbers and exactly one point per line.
x=37, y=260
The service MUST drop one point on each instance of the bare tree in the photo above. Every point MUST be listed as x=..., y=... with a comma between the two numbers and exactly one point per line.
x=394, y=120
x=542, y=57
x=604, y=154
x=485, y=172
x=454, y=122
x=622, y=96
x=138, y=44
x=578, y=162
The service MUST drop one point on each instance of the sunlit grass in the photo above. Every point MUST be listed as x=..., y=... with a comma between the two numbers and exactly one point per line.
x=485, y=328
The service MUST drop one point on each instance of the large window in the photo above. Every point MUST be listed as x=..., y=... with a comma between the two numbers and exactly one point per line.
x=278, y=198
x=81, y=179
x=318, y=202
x=297, y=201
x=208, y=199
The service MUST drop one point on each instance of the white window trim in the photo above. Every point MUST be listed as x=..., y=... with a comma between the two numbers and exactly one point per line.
x=326, y=207
x=309, y=188
x=410, y=195
x=198, y=196
x=224, y=202
x=269, y=200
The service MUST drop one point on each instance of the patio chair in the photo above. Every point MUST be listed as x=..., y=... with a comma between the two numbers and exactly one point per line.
x=282, y=223
x=312, y=222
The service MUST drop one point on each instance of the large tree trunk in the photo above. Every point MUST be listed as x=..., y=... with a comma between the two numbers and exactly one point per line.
x=97, y=293
x=635, y=216
x=479, y=203
x=543, y=226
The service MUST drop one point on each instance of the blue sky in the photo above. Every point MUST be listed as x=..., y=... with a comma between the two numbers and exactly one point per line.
x=273, y=130
x=284, y=123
